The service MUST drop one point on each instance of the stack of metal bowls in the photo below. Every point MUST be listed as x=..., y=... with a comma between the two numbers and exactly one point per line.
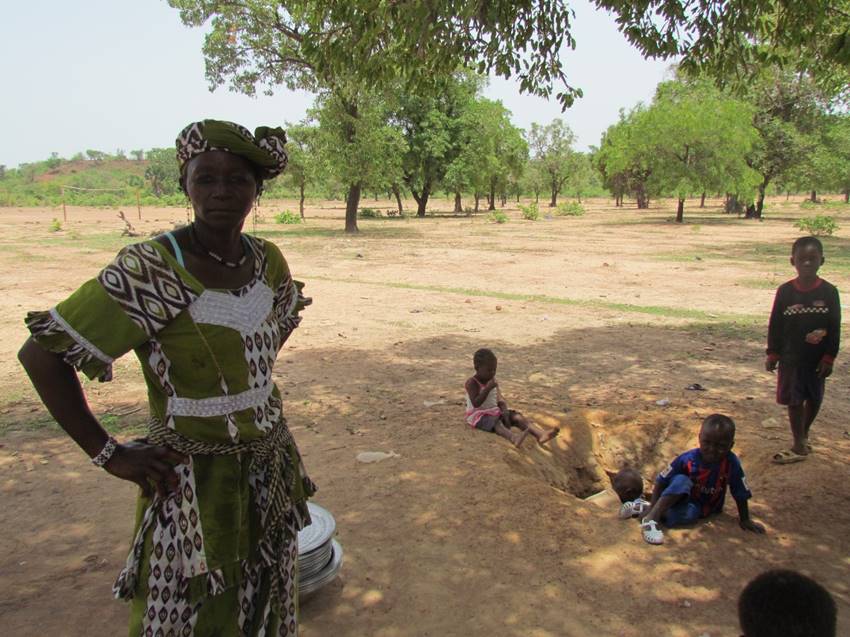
x=319, y=554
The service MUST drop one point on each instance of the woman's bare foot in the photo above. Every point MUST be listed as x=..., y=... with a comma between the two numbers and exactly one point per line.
x=546, y=437
x=520, y=438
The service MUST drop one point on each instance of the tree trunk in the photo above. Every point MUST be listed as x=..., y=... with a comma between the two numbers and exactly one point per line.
x=640, y=195
x=398, y=199
x=458, y=202
x=537, y=196
x=477, y=199
x=760, y=200
x=301, y=200
x=504, y=199
x=422, y=203
x=352, y=201
x=702, y=200
x=421, y=198
x=578, y=195
x=847, y=196
x=814, y=198
x=680, y=211
x=554, y=201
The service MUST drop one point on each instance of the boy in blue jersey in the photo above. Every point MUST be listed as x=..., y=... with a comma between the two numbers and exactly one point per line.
x=694, y=485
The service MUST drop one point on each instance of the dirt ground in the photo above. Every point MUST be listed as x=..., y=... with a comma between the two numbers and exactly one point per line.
x=594, y=319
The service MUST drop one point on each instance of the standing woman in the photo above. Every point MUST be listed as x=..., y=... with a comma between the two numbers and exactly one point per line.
x=206, y=310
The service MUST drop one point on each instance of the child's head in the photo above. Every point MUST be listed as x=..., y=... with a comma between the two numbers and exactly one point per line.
x=484, y=361
x=786, y=604
x=716, y=437
x=807, y=256
x=627, y=484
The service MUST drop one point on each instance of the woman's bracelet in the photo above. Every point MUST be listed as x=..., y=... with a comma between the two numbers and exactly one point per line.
x=106, y=453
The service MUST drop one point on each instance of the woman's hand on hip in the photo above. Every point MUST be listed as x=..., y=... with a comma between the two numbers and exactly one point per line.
x=149, y=466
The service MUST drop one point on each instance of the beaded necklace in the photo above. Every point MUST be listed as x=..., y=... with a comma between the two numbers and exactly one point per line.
x=216, y=256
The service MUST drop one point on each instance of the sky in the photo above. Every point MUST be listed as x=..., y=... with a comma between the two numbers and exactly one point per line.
x=110, y=74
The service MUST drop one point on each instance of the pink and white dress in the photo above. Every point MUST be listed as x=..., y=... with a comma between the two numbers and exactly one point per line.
x=489, y=407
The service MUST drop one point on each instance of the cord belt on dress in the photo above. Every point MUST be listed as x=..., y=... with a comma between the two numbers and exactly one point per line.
x=269, y=456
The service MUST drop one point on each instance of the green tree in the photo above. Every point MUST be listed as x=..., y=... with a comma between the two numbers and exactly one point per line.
x=700, y=140
x=552, y=148
x=138, y=155
x=357, y=145
x=491, y=150
x=430, y=123
x=624, y=160
x=837, y=142
x=827, y=166
x=534, y=178
x=733, y=39
x=691, y=139
x=787, y=109
x=338, y=44
x=162, y=171
x=302, y=148
x=581, y=174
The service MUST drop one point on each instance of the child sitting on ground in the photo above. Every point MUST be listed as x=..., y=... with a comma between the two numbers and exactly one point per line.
x=802, y=338
x=488, y=411
x=628, y=485
x=786, y=604
x=694, y=485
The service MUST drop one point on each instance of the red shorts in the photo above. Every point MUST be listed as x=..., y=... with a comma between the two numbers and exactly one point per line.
x=794, y=385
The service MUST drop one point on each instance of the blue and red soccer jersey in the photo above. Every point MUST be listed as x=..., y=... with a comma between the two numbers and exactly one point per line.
x=710, y=481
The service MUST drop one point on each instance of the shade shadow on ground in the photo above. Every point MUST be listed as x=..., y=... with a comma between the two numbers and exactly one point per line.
x=464, y=535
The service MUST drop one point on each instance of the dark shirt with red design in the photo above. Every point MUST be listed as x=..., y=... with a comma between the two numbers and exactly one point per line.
x=805, y=324
x=711, y=480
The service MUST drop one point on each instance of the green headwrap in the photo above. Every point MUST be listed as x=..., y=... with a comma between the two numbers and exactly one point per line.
x=265, y=148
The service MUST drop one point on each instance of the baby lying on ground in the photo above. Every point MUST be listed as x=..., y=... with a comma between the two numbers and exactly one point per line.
x=628, y=485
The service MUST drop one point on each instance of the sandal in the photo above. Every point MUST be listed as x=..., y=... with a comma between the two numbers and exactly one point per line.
x=633, y=509
x=787, y=457
x=651, y=533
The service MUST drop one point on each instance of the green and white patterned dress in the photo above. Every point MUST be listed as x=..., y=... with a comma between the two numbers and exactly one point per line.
x=219, y=556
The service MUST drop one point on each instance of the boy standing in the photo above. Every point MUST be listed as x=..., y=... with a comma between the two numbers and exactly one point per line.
x=694, y=485
x=802, y=339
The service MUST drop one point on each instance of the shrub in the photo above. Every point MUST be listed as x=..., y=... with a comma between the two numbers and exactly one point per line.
x=287, y=216
x=369, y=213
x=55, y=225
x=569, y=209
x=530, y=212
x=497, y=217
x=818, y=225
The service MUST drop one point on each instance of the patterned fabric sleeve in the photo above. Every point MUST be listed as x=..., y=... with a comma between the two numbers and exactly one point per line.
x=131, y=299
x=289, y=300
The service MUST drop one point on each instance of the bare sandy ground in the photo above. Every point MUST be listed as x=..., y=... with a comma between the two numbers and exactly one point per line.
x=594, y=319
